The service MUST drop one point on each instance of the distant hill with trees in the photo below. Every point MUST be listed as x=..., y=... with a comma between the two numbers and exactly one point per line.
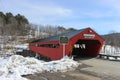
x=13, y=25
x=112, y=39
x=18, y=25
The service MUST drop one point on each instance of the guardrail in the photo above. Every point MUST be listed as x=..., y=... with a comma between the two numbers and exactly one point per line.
x=108, y=56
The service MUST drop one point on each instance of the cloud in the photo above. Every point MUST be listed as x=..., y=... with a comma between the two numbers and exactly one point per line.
x=47, y=14
x=37, y=11
x=50, y=11
x=41, y=9
x=99, y=9
x=112, y=5
x=97, y=14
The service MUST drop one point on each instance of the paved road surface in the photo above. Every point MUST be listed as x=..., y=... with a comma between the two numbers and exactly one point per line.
x=91, y=69
x=107, y=70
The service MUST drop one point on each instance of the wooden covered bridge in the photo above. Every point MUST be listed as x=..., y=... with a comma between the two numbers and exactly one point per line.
x=82, y=43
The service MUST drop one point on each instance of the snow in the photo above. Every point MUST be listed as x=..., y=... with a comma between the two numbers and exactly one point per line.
x=11, y=68
x=22, y=46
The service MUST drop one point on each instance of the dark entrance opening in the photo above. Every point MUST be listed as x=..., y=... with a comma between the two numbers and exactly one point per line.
x=86, y=48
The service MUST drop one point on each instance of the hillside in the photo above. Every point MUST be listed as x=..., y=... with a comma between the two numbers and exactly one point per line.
x=13, y=25
x=112, y=39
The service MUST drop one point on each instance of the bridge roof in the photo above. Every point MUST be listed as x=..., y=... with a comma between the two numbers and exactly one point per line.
x=54, y=38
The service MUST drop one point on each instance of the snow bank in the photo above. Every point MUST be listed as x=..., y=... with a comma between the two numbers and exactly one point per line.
x=16, y=65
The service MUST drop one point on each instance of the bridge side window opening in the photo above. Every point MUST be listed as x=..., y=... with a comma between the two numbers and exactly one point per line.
x=82, y=46
x=49, y=45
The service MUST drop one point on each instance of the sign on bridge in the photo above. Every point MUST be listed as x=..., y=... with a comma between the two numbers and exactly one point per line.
x=63, y=40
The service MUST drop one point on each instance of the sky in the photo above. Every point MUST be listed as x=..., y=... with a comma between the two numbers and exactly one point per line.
x=103, y=16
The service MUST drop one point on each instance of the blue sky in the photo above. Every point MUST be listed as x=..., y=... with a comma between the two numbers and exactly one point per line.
x=101, y=15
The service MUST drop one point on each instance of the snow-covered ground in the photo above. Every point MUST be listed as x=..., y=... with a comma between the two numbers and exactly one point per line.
x=11, y=68
x=21, y=47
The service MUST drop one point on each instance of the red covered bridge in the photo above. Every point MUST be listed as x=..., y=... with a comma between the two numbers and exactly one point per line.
x=84, y=43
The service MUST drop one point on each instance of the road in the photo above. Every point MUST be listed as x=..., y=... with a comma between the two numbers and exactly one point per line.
x=91, y=69
x=105, y=69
